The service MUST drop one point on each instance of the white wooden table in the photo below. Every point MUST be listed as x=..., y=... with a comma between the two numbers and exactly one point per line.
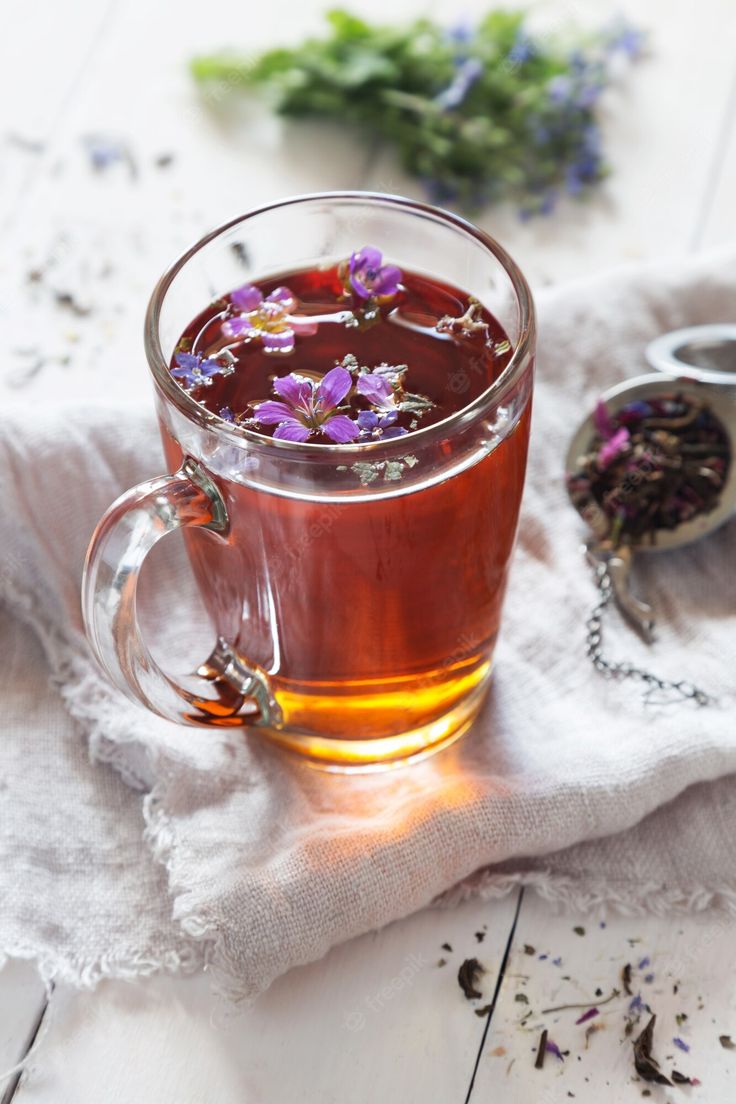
x=379, y=1018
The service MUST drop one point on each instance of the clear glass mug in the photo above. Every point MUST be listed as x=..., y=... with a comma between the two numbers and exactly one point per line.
x=355, y=591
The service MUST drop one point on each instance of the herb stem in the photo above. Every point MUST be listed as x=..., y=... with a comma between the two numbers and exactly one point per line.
x=587, y=1004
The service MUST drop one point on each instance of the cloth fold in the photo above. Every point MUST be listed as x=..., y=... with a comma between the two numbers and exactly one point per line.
x=221, y=847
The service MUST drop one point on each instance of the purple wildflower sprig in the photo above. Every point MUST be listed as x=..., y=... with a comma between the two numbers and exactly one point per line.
x=271, y=320
x=493, y=112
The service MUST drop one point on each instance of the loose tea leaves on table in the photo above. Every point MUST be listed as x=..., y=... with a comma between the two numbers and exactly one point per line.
x=541, y=1050
x=626, y=979
x=646, y=1065
x=650, y=466
x=467, y=977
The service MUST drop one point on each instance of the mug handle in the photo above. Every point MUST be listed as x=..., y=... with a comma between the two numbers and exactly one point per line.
x=225, y=690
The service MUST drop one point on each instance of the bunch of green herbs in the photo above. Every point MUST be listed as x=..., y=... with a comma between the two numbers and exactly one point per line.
x=480, y=113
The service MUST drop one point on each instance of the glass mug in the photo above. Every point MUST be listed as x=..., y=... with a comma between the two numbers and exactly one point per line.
x=355, y=591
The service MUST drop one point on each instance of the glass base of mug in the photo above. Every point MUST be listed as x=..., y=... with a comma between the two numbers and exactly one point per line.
x=383, y=753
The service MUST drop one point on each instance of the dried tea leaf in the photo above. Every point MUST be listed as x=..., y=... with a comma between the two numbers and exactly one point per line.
x=447, y=947
x=541, y=1050
x=480, y=936
x=484, y=1011
x=727, y=1042
x=467, y=977
x=646, y=1066
x=681, y=1079
x=579, y=930
x=522, y=998
x=528, y=949
x=591, y=1030
x=626, y=979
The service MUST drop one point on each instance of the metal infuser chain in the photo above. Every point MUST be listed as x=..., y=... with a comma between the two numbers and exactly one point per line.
x=622, y=670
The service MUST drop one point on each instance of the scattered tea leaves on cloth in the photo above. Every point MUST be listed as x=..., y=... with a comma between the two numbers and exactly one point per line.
x=467, y=977
x=681, y=1079
x=626, y=979
x=646, y=1065
x=541, y=1050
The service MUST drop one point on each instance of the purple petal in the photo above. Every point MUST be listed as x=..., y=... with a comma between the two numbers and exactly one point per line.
x=388, y=281
x=587, y=1016
x=681, y=1044
x=613, y=447
x=376, y=389
x=332, y=389
x=340, y=428
x=271, y=413
x=292, y=431
x=602, y=420
x=246, y=298
x=367, y=419
x=283, y=342
x=367, y=257
x=187, y=361
x=210, y=367
x=226, y=414
x=294, y=390
x=389, y=418
x=281, y=295
x=236, y=327
x=183, y=374
x=394, y=431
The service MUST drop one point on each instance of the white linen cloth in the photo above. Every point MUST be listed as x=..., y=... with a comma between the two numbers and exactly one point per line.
x=221, y=847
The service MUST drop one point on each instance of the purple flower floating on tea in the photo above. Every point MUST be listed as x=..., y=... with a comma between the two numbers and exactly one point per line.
x=367, y=277
x=308, y=408
x=194, y=371
x=270, y=320
x=334, y=406
x=378, y=390
x=379, y=427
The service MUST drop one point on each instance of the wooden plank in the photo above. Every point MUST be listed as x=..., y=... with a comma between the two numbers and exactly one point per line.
x=717, y=225
x=22, y=999
x=680, y=967
x=38, y=83
x=377, y=1019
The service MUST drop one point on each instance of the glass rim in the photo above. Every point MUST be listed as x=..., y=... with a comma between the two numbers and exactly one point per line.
x=243, y=436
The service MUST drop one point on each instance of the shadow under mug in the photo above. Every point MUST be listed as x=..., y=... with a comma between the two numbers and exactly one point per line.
x=355, y=591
